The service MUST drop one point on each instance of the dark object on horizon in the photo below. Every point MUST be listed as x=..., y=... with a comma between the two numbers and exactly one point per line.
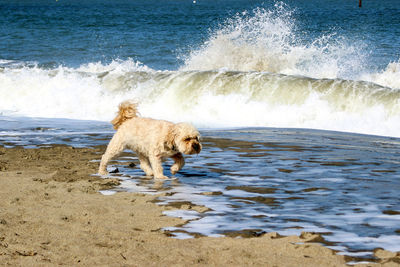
x=359, y=3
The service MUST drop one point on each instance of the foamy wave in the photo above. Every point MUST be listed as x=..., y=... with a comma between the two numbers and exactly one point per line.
x=116, y=66
x=390, y=77
x=235, y=99
x=61, y=92
x=205, y=98
x=267, y=40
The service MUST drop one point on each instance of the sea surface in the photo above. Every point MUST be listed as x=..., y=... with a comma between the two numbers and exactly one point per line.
x=298, y=103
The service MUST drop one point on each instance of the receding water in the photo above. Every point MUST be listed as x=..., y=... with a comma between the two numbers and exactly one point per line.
x=344, y=186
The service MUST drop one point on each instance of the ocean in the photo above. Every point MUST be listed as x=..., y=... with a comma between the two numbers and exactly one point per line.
x=298, y=103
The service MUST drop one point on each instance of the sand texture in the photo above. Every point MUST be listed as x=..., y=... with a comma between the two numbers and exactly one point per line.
x=51, y=214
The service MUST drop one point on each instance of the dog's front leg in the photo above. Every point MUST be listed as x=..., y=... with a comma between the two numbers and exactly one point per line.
x=179, y=162
x=156, y=165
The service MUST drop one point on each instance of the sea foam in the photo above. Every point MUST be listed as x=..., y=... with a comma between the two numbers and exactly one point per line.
x=206, y=98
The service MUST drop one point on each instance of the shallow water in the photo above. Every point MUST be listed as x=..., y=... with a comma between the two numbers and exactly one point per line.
x=289, y=180
x=42, y=132
x=342, y=185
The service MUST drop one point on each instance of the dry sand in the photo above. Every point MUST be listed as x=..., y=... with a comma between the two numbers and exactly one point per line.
x=52, y=214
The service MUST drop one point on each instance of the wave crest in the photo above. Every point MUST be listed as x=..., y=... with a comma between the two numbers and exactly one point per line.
x=267, y=40
x=390, y=77
x=205, y=98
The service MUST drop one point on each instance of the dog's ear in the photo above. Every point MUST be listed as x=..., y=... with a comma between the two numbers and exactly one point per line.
x=170, y=139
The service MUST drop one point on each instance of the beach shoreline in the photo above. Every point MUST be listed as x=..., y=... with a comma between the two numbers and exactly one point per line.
x=53, y=214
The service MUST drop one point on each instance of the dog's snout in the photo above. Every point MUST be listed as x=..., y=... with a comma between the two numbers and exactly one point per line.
x=196, y=147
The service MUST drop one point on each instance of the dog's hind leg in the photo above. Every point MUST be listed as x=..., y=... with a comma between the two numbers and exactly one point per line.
x=115, y=147
x=145, y=164
x=179, y=162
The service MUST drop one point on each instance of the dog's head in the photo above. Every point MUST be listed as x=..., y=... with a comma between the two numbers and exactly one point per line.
x=185, y=139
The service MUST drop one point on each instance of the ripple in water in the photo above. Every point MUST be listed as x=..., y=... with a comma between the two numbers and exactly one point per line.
x=250, y=181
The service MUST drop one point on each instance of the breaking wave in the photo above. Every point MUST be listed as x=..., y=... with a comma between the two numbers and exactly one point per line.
x=254, y=70
x=269, y=41
x=206, y=98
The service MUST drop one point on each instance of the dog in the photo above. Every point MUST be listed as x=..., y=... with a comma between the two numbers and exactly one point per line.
x=153, y=141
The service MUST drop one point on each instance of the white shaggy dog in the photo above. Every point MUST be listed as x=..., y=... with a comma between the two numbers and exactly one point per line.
x=152, y=140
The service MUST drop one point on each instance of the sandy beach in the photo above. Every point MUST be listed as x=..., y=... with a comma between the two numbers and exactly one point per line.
x=52, y=214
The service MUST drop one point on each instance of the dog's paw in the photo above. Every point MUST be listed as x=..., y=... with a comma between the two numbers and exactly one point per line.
x=149, y=173
x=103, y=172
x=161, y=177
x=174, y=169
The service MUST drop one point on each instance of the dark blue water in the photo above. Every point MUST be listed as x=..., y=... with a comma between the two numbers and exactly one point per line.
x=160, y=33
x=76, y=32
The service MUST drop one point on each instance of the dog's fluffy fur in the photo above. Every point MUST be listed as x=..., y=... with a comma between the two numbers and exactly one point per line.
x=152, y=140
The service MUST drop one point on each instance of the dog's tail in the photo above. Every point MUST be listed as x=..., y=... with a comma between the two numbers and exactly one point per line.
x=127, y=110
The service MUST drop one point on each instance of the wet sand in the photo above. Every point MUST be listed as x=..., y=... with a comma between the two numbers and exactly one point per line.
x=51, y=213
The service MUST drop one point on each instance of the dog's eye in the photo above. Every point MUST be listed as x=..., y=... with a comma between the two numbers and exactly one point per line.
x=187, y=139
